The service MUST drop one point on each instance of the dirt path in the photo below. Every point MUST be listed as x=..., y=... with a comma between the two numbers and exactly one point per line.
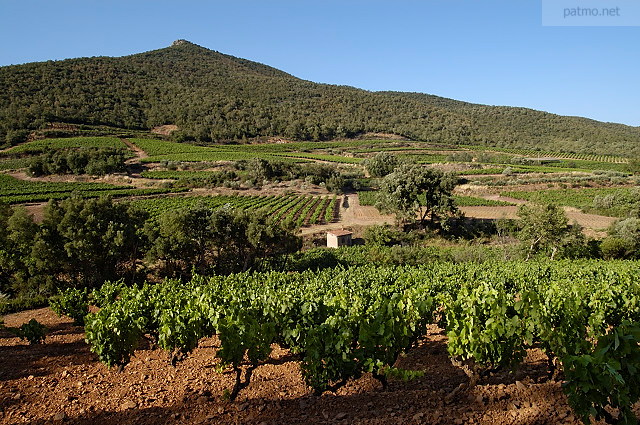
x=496, y=197
x=140, y=154
x=590, y=221
x=61, y=381
x=594, y=225
x=352, y=214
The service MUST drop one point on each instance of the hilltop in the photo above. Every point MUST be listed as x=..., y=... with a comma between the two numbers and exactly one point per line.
x=214, y=97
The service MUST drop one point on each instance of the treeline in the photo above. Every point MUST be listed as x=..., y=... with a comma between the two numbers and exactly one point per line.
x=260, y=171
x=257, y=172
x=82, y=243
x=213, y=97
x=97, y=162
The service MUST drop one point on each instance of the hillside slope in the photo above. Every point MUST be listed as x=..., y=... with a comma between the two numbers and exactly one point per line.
x=211, y=96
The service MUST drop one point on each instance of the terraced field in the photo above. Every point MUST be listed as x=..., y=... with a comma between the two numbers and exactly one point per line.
x=581, y=198
x=15, y=191
x=301, y=210
x=45, y=145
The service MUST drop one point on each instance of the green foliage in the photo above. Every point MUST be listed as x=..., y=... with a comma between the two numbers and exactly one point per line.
x=48, y=145
x=79, y=161
x=413, y=190
x=13, y=305
x=32, y=331
x=545, y=228
x=226, y=239
x=345, y=322
x=614, y=248
x=13, y=191
x=624, y=239
x=371, y=198
x=85, y=242
x=114, y=333
x=211, y=96
x=182, y=326
x=368, y=198
x=71, y=302
x=381, y=164
x=379, y=235
x=107, y=293
x=606, y=201
x=483, y=325
x=607, y=376
x=330, y=210
x=472, y=201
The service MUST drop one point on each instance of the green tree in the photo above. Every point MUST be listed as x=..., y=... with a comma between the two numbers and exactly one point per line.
x=181, y=239
x=382, y=164
x=413, y=191
x=21, y=231
x=85, y=242
x=224, y=240
x=545, y=228
x=242, y=239
x=623, y=240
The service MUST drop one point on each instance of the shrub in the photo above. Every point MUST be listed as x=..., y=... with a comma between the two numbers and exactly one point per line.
x=381, y=235
x=606, y=376
x=107, y=293
x=614, y=247
x=33, y=331
x=73, y=303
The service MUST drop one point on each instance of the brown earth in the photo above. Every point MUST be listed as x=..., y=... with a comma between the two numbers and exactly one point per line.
x=136, y=150
x=594, y=225
x=164, y=130
x=352, y=214
x=61, y=381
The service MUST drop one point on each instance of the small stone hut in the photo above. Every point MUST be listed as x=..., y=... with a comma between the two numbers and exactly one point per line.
x=337, y=238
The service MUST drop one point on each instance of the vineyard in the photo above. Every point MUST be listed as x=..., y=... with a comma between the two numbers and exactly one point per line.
x=321, y=157
x=14, y=191
x=301, y=210
x=45, y=145
x=14, y=163
x=342, y=323
x=550, y=154
x=579, y=198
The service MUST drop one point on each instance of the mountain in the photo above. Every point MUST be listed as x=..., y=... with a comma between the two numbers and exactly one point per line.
x=213, y=97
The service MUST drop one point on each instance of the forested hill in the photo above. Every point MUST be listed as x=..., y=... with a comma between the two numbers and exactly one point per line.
x=212, y=97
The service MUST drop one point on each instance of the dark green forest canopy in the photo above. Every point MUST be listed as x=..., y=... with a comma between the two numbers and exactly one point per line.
x=215, y=97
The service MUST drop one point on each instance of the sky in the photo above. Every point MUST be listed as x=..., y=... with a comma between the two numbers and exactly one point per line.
x=482, y=51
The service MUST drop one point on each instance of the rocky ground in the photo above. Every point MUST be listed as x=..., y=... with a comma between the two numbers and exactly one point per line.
x=61, y=381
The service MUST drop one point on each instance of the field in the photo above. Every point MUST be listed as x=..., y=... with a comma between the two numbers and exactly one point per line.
x=306, y=210
x=302, y=210
x=44, y=145
x=14, y=191
x=349, y=152
x=339, y=331
x=354, y=152
x=582, y=198
x=176, y=175
x=369, y=315
x=533, y=153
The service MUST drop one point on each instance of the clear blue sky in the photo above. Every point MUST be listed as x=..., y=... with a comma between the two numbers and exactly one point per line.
x=484, y=51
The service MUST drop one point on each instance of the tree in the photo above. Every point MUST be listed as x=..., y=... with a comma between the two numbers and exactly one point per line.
x=223, y=240
x=623, y=240
x=85, y=242
x=545, y=228
x=180, y=239
x=382, y=164
x=242, y=238
x=415, y=191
